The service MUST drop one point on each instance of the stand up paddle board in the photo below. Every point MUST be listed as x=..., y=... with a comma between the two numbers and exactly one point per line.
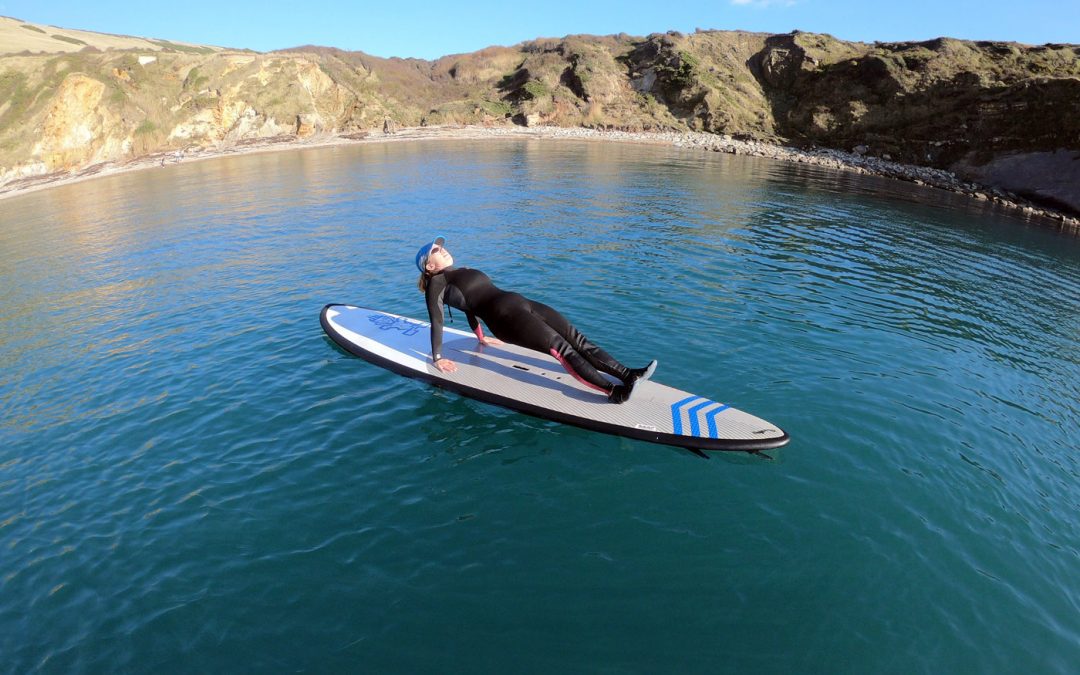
x=535, y=384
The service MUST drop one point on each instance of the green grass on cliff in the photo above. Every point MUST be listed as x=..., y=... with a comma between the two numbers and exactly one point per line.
x=16, y=96
x=174, y=47
x=69, y=40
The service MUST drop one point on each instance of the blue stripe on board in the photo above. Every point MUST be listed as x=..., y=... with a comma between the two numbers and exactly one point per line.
x=711, y=419
x=695, y=426
x=676, y=413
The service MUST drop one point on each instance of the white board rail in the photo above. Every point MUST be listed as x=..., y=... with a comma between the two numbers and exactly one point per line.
x=535, y=384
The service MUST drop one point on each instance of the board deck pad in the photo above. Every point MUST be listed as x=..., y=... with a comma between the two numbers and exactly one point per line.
x=535, y=383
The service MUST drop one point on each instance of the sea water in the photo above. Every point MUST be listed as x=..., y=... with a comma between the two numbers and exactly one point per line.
x=193, y=478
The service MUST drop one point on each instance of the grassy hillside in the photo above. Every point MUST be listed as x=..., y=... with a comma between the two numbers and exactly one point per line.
x=18, y=36
x=941, y=103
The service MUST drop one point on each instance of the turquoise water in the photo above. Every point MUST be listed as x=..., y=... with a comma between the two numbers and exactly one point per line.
x=194, y=479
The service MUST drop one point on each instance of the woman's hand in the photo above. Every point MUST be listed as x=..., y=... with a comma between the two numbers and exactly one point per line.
x=446, y=366
x=490, y=342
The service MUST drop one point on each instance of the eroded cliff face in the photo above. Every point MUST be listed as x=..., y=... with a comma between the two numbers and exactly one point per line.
x=934, y=102
x=998, y=113
x=77, y=129
x=1002, y=113
x=257, y=98
x=68, y=111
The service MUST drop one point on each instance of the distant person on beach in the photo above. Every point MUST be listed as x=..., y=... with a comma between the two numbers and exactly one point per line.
x=517, y=320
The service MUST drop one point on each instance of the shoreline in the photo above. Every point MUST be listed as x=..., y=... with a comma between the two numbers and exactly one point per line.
x=827, y=158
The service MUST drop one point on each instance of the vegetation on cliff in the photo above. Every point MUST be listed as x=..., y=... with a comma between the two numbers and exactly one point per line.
x=943, y=103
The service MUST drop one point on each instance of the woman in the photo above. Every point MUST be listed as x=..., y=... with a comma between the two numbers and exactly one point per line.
x=517, y=320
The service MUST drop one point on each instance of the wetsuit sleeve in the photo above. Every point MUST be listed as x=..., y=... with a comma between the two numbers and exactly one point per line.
x=435, y=290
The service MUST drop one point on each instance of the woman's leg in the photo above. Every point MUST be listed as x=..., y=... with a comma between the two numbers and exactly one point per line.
x=596, y=356
x=514, y=321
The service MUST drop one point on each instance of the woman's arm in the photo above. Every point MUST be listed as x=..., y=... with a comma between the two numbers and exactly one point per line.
x=474, y=323
x=434, y=295
x=485, y=340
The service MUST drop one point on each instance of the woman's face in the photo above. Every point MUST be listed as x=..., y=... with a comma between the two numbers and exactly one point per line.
x=438, y=260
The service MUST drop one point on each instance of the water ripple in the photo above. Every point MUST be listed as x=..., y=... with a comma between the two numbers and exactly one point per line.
x=188, y=464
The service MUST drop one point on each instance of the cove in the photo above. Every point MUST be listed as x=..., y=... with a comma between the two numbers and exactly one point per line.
x=193, y=476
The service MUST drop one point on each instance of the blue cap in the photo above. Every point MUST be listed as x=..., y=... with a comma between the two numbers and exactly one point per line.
x=425, y=250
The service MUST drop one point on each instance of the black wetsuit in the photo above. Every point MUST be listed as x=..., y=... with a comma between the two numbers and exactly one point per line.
x=515, y=319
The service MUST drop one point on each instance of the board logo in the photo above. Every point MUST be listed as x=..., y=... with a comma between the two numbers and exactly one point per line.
x=407, y=327
x=696, y=416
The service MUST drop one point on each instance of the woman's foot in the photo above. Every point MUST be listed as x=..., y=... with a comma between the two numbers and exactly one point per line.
x=620, y=393
x=643, y=374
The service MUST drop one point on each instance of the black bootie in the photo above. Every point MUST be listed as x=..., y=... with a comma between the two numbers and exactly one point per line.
x=620, y=393
x=643, y=374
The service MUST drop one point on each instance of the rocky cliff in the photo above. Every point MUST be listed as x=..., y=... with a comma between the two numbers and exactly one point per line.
x=1000, y=113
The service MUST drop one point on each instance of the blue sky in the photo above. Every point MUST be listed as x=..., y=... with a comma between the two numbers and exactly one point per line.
x=432, y=29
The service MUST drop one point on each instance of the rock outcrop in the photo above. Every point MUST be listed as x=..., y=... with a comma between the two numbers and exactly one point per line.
x=1049, y=177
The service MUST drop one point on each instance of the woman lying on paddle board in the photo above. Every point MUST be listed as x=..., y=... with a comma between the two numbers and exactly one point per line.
x=517, y=320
